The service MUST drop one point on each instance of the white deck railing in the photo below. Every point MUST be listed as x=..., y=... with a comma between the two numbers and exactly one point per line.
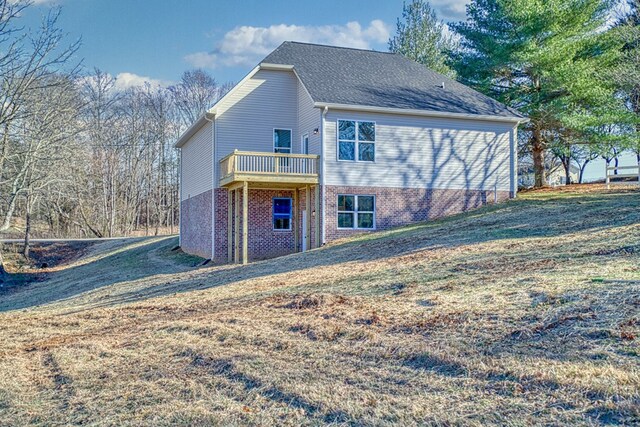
x=250, y=162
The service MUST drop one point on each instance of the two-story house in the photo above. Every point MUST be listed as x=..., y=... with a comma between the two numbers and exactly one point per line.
x=320, y=142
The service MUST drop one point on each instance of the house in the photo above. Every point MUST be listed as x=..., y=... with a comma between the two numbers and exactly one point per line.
x=320, y=142
x=556, y=174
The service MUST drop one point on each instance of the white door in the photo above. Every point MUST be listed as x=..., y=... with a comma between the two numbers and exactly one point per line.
x=304, y=231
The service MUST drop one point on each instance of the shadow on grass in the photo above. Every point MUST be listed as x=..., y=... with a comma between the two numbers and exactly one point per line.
x=122, y=261
x=525, y=218
x=226, y=369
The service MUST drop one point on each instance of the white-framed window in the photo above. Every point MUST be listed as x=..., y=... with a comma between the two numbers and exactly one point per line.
x=282, y=213
x=356, y=141
x=357, y=212
x=282, y=141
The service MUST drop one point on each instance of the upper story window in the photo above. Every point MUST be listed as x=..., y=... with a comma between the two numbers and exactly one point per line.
x=282, y=141
x=356, y=140
x=282, y=213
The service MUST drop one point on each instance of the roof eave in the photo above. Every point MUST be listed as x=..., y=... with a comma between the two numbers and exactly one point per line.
x=195, y=127
x=424, y=113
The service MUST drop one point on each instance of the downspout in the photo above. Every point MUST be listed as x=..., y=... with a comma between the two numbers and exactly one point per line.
x=322, y=175
x=514, y=161
x=213, y=185
x=180, y=200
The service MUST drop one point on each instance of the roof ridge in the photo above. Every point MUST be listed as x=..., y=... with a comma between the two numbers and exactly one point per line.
x=340, y=47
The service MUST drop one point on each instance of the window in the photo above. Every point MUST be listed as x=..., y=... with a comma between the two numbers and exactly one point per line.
x=282, y=141
x=356, y=140
x=281, y=213
x=356, y=211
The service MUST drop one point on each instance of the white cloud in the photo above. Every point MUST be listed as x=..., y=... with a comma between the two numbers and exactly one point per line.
x=246, y=45
x=451, y=10
x=128, y=80
x=202, y=59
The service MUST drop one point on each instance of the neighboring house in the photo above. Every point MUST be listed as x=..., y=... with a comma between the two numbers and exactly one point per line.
x=555, y=177
x=319, y=142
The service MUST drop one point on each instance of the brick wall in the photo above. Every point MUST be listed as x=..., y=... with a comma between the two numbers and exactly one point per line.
x=264, y=241
x=394, y=207
x=195, y=225
x=402, y=206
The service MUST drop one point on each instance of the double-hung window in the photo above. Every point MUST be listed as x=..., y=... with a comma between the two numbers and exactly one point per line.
x=356, y=141
x=356, y=211
x=282, y=213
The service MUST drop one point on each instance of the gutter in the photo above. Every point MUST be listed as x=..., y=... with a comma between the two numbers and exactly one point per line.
x=424, y=113
x=213, y=185
x=206, y=117
x=322, y=175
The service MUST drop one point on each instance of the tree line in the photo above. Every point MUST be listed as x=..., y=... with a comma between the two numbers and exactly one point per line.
x=78, y=156
x=571, y=66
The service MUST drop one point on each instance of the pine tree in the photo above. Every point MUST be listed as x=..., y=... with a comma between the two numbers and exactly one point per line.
x=422, y=37
x=551, y=59
x=629, y=74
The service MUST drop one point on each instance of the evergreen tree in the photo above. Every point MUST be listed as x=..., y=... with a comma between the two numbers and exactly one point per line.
x=629, y=75
x=550, y=59
x=422, y=37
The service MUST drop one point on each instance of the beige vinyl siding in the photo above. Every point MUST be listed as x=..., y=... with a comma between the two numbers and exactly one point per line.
x=195, y=164
x=246, y=119
x=422, y=152
x=308, y=120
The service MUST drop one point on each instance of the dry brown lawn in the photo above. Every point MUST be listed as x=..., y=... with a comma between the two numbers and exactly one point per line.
x=488, y=318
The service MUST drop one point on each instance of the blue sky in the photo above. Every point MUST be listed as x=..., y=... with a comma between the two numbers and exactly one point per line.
x=158, y=40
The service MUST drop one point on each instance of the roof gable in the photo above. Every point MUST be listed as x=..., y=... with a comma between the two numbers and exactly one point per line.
x=336, y=75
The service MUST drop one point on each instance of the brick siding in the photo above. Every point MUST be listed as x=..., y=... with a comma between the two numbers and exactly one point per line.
x=195, y=225
x=394, y=207
x=264, y=241
x=402, y=206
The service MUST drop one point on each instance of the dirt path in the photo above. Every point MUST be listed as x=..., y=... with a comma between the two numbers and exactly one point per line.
x=163, y=261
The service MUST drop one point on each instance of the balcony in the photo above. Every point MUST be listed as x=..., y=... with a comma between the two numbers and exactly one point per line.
x=269, y=169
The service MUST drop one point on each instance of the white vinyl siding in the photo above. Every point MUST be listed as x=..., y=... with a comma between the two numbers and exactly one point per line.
x=196, y=163
x=245, y=121
x=423, y=152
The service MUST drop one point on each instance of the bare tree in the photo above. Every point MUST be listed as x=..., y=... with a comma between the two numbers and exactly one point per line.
x=28, y=65
x=582, y=155
x=78, y=156
x=47, y=136
x=196, y=92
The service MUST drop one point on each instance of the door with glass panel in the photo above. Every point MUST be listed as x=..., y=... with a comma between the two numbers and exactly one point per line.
x=304, y=149
x=282, y=144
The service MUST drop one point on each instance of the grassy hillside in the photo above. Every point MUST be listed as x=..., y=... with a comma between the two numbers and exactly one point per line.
x=490, y=317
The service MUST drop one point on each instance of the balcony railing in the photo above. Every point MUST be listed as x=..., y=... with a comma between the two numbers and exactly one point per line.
x=269, y=167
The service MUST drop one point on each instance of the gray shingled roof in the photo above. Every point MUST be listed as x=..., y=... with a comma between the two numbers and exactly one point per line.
x=339, y=75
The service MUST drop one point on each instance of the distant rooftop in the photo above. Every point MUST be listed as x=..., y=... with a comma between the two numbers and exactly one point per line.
x=339, y=75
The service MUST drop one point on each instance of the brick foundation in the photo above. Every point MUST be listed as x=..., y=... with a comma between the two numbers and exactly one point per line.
x=402, y=206
x=195, y=225
x=394, y=207
x=264, y=241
